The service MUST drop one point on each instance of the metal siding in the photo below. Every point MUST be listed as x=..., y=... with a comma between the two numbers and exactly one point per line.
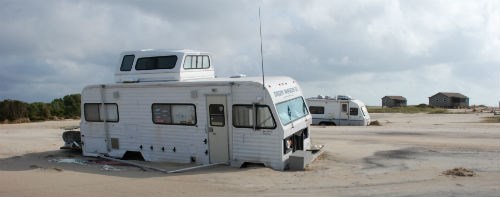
x=255, y=146
x=332, y=110
x=134, y=106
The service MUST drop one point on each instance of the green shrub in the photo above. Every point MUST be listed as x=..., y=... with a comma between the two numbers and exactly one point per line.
x=39, y=111
x=71, y=105
x=13, y=111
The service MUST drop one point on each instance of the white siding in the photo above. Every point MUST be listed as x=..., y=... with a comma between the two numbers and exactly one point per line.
x=134, y=106
x=136, y=128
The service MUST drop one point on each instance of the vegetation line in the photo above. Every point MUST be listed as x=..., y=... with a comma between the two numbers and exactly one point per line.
x=422, y=108
x=14, y=111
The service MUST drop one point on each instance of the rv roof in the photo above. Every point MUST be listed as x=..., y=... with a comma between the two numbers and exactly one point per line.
x=271, y=81
x=279, y=87
x=156, y=52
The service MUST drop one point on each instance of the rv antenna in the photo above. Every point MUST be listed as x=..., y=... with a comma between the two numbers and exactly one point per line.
x=261, y=55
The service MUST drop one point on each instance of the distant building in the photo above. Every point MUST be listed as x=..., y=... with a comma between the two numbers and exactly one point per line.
x=449, y=100
x=393, y=101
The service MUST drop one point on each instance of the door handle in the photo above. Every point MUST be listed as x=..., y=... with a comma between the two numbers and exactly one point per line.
x=211, y=130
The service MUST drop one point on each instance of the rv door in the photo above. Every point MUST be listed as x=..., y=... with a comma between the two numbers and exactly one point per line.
x=344, y=113
x=218, y=137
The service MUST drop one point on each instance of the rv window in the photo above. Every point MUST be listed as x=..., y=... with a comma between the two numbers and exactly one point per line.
x=161, y=114
x=206, y=61
x=199, y=62
x=174, y=114
x=111, y=112
x=196, y=62
x=188, y=61
x=291, y=110
x=317, y=110
x=183, y=114
x=353, y=111
x=264, y=118
x=93, y=112
x=244, y=116
x=217, y=117
x=344, y=107
x=152, y=63
x=127, y=62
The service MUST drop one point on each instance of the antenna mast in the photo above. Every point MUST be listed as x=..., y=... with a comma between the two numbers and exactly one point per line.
x=261, y=55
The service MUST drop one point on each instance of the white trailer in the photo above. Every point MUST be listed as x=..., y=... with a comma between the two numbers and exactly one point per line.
x=168, y=106
x=340, y=111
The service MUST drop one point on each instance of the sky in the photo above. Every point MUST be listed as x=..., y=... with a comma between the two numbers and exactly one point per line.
x=365, y=49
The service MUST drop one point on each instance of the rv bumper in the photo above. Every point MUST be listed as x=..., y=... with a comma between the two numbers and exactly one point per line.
x=299, y=160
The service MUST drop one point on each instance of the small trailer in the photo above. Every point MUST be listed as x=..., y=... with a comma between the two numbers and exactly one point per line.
x=169, y=106
x=340, y=110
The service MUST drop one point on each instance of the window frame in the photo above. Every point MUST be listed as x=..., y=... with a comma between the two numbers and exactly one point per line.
x=210, y=114
x=344, y=107
x=351, y=110
x=99, y=111
x=117, y=112
x=254, y=122
x=156, y=59
x=322, y=109
x=253, y=115
x=303, y=107
x=85, y=112
x=194, y=61
x=128, y=68
x=171, y=115
x=270, y=112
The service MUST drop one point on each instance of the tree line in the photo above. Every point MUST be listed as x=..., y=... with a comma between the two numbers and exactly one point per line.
x=14, y=111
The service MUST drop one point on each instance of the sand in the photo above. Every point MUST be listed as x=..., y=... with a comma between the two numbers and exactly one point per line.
x=406, y=156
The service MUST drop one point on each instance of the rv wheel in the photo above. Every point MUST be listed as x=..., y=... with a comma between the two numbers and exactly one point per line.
x=327, y=124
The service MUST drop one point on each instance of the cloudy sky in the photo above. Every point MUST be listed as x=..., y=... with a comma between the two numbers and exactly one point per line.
x=366, y=49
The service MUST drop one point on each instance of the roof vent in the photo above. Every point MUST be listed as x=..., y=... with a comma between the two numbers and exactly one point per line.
x=344, y=97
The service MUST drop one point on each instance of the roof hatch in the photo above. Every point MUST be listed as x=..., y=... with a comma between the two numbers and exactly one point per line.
x=163, y=65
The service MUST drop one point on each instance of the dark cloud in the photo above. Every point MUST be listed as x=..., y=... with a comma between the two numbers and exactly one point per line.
x=365, y=49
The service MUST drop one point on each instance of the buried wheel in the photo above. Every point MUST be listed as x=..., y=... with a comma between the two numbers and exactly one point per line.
x=326, y=124
x=72, y=140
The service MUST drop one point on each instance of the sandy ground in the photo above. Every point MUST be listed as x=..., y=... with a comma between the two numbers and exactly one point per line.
x=404, y=157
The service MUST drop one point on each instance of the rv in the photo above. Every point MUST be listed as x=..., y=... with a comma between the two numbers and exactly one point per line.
x=341, y=110
x=169, y=106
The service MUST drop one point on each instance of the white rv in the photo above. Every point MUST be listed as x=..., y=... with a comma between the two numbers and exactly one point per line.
x=168, y=106
x=341, y=110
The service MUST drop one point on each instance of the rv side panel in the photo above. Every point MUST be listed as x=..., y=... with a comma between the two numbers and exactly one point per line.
x=261, y=144
x=136, y=131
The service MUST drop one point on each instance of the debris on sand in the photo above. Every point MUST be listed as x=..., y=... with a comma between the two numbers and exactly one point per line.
x=34, y=166
x=75, y=161
x=375, y=123
x=57, y=169
x=109, y=168
x=459, y=172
